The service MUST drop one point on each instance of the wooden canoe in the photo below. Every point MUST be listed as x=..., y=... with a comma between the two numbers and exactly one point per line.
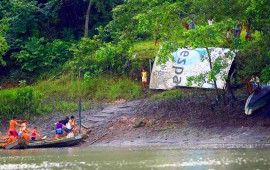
x=63, y=142
x=18, y=144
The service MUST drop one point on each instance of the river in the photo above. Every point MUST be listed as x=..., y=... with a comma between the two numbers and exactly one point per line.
x=135, y=158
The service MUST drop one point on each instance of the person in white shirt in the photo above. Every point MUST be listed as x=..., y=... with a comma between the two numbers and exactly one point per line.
x=210, y=21
x=71, y=126
x=255, y=83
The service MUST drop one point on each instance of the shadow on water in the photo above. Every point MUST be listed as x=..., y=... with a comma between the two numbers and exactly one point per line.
x=135, y=158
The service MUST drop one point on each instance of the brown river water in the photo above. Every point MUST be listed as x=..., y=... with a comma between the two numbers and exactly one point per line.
x=157, y=157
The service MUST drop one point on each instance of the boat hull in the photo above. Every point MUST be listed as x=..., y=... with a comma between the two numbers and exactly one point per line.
x=63, y=142
x=257, y=100
x=18, y=144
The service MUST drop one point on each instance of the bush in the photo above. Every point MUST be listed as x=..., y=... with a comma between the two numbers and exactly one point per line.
x=62, y=95
x=97, y=57
x=39, y=56
x=23, y=102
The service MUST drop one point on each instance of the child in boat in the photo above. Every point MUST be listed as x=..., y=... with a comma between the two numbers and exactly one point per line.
x=23, y=128
x=58, y=130
x=71, y=126
x=9, y=139
x=34, y=134
x=12, y=126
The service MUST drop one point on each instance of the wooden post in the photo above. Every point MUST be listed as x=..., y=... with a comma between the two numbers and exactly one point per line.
x=80, y=103
x=150, y=66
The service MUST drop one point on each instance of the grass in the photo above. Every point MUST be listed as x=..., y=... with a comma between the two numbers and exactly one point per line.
x=62, y=94
x=146, y=49
x=172, y=94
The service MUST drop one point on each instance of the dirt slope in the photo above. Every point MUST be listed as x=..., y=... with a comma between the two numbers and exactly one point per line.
x=182, y=122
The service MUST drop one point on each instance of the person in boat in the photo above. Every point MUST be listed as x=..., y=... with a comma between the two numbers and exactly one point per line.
x=11, y=138
x=71, y=126
x=26, y=137
x=34, y=134
x=23, y=128
x=255, y=83
x=23, y=134
x=58, y=130
x=64, y=123
x=12, y=126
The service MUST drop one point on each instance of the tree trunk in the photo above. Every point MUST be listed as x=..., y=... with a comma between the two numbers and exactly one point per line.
x=87, y=19
x=210, y=62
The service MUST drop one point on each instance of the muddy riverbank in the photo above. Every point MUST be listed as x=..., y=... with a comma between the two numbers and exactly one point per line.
x=180, y=122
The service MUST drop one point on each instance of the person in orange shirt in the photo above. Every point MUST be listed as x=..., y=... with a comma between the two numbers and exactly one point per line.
x=11, y=138
x=12, y=126
x=26, y=137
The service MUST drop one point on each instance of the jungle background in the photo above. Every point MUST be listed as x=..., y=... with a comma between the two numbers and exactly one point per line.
x=54, y=51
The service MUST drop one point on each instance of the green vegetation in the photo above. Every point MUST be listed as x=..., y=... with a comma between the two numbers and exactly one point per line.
x=23, y=101
x=145, y=49
x=172, y=94
x=62, y=95
x=43, y=43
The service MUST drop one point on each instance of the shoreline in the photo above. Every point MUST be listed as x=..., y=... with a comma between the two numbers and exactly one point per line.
x=167, y=123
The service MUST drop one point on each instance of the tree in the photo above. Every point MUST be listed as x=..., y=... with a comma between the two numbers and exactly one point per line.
x=87, y=19
x=167, y=17
x=205, y=37
x=258, y=12
x=3, y=49
x=101, y=6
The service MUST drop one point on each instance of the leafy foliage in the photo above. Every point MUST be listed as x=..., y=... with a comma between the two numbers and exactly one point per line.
x=3, y=49
x=254, y=58
x=96, y=57
x=38, y=36
x=23, y=102
x=39, y=56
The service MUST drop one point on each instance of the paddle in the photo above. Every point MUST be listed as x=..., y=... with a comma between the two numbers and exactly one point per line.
x=43, y=138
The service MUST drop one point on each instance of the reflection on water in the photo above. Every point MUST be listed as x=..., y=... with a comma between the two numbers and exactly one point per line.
x=134, y=158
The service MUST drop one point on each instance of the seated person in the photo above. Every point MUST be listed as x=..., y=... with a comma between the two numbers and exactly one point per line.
x=34, y=134
x=23, y=128
x=64, y=123
x=71, y=126
x=9, y=139
x=26, y=137
x=58, y=130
